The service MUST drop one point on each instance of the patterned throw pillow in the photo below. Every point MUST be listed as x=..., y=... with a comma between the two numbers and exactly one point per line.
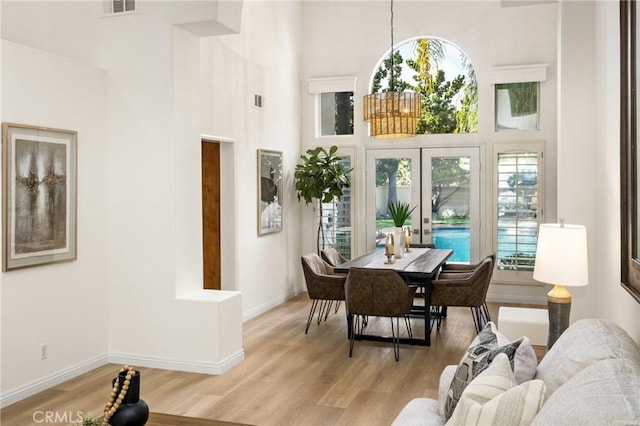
x=478, y=357
x=525, y=363
x=494, y=398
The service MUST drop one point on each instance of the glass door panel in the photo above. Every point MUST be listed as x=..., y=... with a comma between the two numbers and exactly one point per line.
x=392, y=175
x=451, y=216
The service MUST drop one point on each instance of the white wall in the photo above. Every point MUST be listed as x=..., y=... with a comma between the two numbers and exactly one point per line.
x=170, y=77
x=261, y=59
x=589, y=154
x=63, y=305
x=613, y=302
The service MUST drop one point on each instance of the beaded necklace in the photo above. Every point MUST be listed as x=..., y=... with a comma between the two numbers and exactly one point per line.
x=114, y=402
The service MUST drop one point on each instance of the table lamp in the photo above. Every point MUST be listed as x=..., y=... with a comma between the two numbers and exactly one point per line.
x=561, y=260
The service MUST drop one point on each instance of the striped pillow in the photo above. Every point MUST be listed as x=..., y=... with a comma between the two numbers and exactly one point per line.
x=494, y=398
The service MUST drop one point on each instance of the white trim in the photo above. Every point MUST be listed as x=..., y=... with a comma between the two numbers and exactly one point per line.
x=261, y=309
x=202, y=367
x=39, y=385
x=332, y=84
x=519, y=73
x=212, y=138
x=29, y=389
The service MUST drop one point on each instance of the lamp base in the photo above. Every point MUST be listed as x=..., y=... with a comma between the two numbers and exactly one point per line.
x=559, y=305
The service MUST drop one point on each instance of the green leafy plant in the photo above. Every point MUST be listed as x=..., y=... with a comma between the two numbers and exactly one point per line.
x=322, y=177
x=400, y=212
x=89, y=421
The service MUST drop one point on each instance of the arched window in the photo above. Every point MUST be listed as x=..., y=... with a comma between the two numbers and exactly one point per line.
x=443, y=75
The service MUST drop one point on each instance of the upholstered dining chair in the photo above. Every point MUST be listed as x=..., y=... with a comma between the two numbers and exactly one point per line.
x=381, y=293
x=468, y=289
x=465, y=268
x=332, y=256
x=324, y=287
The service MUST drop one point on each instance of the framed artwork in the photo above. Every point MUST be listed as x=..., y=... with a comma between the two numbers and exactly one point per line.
x=269, y=191
x=39, y=195
x=629, y=145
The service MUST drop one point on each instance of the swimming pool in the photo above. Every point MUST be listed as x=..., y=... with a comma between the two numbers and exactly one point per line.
x=457, y=239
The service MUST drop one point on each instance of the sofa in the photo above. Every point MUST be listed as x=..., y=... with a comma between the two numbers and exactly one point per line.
x=591, y=376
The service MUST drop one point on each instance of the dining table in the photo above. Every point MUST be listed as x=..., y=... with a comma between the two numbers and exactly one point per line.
x=419, y=266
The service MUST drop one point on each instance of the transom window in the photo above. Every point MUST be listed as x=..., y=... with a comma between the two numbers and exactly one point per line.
x=445, y=78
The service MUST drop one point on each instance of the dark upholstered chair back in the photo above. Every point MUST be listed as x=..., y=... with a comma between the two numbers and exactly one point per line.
x=332, y=256
x=321, y=282
x=377, y=292
x=468, y=289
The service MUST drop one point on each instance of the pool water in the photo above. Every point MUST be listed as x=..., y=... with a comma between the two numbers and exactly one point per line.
x=457, y=239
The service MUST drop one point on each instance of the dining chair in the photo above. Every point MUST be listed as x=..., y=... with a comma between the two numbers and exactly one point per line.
x=323, y=286
x=465, y=268
x=332, y=256
x=467, y=289
x=381, y=293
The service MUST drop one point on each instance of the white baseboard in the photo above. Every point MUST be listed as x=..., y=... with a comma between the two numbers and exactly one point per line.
x=188, y=366
x=259, y=310
x=21, y=392
x=520, y=300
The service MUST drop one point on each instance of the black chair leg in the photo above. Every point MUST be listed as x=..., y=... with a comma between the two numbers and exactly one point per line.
x=326, y=312
x=487, y=315
x=476, y=313
x=314, y=304
x=354, y=320
x=407, y=322
x=395, y=337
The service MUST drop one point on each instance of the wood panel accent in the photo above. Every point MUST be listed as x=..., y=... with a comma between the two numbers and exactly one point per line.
x=160, y=419
x=212, y=275
x=287, y=377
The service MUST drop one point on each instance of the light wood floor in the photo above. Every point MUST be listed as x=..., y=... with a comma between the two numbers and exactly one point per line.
x=287, y=377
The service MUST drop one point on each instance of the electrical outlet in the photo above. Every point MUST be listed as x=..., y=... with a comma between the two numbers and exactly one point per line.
x=44, y=351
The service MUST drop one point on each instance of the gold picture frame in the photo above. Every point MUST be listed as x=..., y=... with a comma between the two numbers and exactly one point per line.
x=39, y=193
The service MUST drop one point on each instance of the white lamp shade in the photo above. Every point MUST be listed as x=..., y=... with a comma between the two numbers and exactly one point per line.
x=562, y=255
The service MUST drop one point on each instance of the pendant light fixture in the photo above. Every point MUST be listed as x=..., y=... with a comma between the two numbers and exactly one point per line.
x=392, y=114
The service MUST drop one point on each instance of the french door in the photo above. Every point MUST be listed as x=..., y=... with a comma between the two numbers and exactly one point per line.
x=443, y=184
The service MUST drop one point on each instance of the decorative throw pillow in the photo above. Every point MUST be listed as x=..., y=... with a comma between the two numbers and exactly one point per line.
x=479, y=355
x=525, y=362
x=493, y=398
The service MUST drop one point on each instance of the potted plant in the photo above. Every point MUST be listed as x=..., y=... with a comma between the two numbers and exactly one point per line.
x=322, y=177
x=400, y=212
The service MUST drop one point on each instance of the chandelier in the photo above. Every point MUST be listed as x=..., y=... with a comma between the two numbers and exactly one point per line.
x=392, y=114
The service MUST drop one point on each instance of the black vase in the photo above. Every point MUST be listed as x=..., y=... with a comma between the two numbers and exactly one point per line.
x=133, y=411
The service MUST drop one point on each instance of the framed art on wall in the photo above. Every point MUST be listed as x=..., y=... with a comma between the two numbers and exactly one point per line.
x=629, y=153
x=39, y=195
x=269, y=191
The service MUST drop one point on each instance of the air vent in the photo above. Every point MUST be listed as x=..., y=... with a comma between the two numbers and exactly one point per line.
x=257, y=101
x=121, y=6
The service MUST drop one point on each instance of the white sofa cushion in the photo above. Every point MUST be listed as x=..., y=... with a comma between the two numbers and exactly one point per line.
x=419, y=412
x=605, y=393
x=586, y=342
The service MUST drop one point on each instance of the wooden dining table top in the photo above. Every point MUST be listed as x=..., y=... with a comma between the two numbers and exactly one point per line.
x=417, y=263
